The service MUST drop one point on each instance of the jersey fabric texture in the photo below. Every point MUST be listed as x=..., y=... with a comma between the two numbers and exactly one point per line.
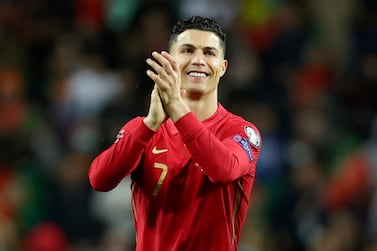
x=191, y=180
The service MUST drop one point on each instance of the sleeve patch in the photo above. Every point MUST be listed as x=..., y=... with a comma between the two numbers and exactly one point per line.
x=244, y=144
x=253, y=136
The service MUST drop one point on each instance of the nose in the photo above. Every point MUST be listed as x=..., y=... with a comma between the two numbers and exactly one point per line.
x=198, y=58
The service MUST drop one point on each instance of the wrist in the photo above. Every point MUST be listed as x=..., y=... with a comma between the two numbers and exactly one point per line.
x=177, y=110
x=151, y=123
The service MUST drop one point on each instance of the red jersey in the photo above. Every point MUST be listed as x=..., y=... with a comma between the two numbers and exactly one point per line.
x=191, y=181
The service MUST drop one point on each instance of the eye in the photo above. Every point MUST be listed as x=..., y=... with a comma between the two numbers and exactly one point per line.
x=187, y=50
x=210, y=53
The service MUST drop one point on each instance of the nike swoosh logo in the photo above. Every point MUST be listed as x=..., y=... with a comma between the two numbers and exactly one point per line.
x=158, y=151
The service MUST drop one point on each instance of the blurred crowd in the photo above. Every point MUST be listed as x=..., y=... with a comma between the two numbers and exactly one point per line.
x=72, y=72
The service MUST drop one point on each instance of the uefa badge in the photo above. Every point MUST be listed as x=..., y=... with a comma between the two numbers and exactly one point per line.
x=253, y=136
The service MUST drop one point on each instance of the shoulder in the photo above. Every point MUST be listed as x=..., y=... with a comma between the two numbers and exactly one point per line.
x=237, y=125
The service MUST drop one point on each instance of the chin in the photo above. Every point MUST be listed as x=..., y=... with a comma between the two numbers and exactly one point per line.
x=195, y=87
x=194, y=93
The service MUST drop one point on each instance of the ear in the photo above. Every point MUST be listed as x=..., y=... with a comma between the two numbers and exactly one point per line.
x=224, y=66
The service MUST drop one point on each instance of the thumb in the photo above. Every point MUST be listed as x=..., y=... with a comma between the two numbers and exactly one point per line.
x=183, y=92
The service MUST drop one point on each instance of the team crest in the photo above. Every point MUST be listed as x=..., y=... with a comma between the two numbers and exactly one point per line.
x=119, y=136
x=253, y=136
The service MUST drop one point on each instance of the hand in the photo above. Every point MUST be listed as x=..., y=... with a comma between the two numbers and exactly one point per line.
x=156, y=114
x=167, y=77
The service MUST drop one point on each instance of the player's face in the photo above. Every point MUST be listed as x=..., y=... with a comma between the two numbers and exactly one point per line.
x=201, y=61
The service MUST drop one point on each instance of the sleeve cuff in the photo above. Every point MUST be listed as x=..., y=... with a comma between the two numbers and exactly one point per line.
x=188, y=125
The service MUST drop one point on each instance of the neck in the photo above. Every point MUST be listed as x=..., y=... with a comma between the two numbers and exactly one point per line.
x=204, y=107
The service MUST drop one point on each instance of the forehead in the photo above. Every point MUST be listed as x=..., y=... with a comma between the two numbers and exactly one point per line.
x=198, y=38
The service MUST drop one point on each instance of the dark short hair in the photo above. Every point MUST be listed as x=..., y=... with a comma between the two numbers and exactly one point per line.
x=198, y=23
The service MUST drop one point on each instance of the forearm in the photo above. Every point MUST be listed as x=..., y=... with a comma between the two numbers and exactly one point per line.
x=121, y=158
x=222, y=161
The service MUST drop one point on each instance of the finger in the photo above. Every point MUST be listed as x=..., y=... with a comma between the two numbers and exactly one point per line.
x=164, y=61
x=152, y=75
x=156, y=94
x=155, y=90
x=161, y=72
x=161, y=85
x=171, y=59
x=157, y=78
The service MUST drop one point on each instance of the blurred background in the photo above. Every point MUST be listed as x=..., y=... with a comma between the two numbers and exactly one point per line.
x=72, y=72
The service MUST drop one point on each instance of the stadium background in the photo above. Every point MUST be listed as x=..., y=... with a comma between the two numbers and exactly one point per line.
x=305, y=72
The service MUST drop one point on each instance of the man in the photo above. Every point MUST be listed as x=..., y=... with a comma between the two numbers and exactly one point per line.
x=192, y=163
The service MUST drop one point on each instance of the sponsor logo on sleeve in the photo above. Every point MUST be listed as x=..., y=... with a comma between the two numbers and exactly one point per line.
x=244, y=144
x=253, y=136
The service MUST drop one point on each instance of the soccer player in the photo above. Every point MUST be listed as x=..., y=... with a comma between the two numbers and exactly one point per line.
x=192, y=162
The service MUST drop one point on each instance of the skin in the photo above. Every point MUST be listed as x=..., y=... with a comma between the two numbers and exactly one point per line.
x=177, y=91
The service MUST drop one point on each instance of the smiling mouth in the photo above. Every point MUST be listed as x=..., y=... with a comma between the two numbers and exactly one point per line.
x=197, y=74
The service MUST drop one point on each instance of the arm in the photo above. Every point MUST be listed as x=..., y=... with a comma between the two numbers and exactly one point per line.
x=222, y=161
x=121, y=158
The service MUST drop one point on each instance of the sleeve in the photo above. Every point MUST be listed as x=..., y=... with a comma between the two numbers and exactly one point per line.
x=222, y=160
x=122, y=157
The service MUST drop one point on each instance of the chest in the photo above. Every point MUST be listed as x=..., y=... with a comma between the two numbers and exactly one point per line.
x=168, y=171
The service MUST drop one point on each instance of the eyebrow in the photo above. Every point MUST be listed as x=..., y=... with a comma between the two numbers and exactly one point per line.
x=193, y=47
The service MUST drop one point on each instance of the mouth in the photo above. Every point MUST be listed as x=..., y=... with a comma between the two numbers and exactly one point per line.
x=197, y=74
